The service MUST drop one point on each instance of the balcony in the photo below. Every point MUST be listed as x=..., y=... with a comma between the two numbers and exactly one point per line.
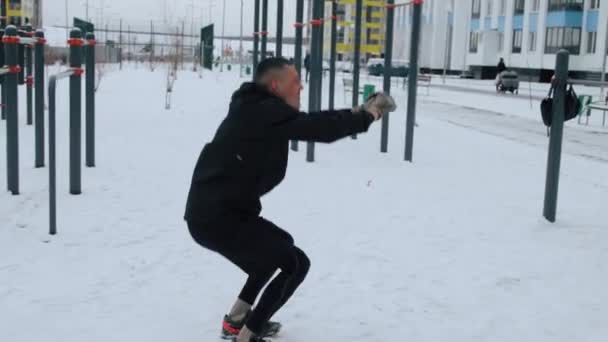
x=566, y=5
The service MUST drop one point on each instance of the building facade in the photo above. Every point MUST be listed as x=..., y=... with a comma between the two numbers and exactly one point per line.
x=20, y=12
x=474, y=34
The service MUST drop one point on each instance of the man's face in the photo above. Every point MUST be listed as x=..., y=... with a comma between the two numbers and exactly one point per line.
x=287, y=86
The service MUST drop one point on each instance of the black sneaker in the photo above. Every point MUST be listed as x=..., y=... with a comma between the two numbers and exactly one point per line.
x=231, y=328
x=253, y=339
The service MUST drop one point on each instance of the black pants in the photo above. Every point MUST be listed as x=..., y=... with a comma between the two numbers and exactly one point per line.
x=259, y=248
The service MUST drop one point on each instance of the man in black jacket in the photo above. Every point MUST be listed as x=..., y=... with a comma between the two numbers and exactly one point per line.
x=245, y=160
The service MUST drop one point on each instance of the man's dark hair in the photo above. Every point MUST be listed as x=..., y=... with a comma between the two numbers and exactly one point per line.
x=268, y=65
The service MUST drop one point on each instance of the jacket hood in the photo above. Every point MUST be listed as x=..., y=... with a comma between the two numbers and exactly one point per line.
x=250, y=92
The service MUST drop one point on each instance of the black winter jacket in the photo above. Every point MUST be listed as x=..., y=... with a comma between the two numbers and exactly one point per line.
x=248, y=154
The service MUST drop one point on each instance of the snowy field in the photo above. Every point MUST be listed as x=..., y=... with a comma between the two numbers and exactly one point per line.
x=452, y=247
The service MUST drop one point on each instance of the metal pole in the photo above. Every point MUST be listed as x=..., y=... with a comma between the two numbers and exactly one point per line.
x=12, y=108
x=412, y=81
x=39, y=95
x=332, y=54
x=29, y=65
x=357, y=55
x=52, y=159
x=448, y=33
x=90, y=99
x=314, y=103
x=241, y=43
x=604, y=52
x=388, y=66
x=256, y=35
x=223, y=35
x=264, y=32
x=557, y=130
x=21, y=57
x=2, y=79
x=75, y=111
x=298, y=49
x=279, y=40
x=119, y=44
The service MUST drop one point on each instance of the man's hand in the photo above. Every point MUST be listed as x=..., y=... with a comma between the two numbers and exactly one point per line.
x=379, y=104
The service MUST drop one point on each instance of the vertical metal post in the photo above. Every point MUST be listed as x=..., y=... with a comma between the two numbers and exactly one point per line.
x=256, y=36
x=52, y=159
x=332, y=54
x=264, y=32
x=357, y=55
x=388, y=66
x=2, y=82
x=39, y=97
x=604, y=52
x=75, y=111
x=314, y=100
x=223, y=35
x=557, y=130
x=21, y=57
x=412, y=81
x=279, y=40
x=119, y=44
x=90, y=99
x=11, y=47
x=241, y=44
x=298, y=48
x=29, y=62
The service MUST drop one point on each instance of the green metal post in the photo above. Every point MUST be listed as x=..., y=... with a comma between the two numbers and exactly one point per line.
x=11, y=80
x=332, y=54
x=557, y=131
x=76, y=43
x=256, y=36
x=39, y=97
x=29, y=81
x=298, y=48
x=279, y=40
x=264, y=32
x=357, y=55
x=90, y=99
x=413, y=81
x=388, y=65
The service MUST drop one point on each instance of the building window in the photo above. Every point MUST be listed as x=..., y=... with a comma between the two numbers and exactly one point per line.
x=594, y=4
x=565, y=5
x=535, y=5
x=568, y=38
x=519, y=7
x=476, y=10
x=591, y=42
x=532, y=41
x=489, y=8
x=473, y=42
x=501, y=41
x=503, y=7
x=517, y=38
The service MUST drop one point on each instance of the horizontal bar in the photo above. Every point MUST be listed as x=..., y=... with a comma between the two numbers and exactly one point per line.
x=26, y=40
x=63, y=74
x=4, y=71
x=587, y=83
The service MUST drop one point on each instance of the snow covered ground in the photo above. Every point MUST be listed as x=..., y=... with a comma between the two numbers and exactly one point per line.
x=452, y=247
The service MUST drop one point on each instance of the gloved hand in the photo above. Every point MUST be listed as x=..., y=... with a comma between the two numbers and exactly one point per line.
x=379, y=103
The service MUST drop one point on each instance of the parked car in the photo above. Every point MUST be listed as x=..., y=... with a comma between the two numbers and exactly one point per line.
x=399, y=68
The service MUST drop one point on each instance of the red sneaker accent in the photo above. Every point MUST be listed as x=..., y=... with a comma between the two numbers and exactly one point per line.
x=229, y=328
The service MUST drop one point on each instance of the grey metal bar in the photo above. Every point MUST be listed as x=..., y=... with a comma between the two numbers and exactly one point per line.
x=11, y=81
x=52, y=149
x=316, y=77
x=256, y=36
x=29, y=65
x=587, y=83
x=39, y=98
x=75, y=112
x=388, y=64
x=412, y=81
x=279, y=39
x=557, y=130
x=298, y=49
x=332, y=54
x=90, y=99
x=264, y=32
x=357, y=55
x=3, y=92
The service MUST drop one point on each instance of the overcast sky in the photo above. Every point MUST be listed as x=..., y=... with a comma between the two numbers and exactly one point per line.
x=139, y=13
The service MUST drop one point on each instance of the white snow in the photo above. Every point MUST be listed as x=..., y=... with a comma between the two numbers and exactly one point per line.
x=452, y=247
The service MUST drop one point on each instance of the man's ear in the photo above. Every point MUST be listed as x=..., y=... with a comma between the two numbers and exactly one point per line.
x=274, y=85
